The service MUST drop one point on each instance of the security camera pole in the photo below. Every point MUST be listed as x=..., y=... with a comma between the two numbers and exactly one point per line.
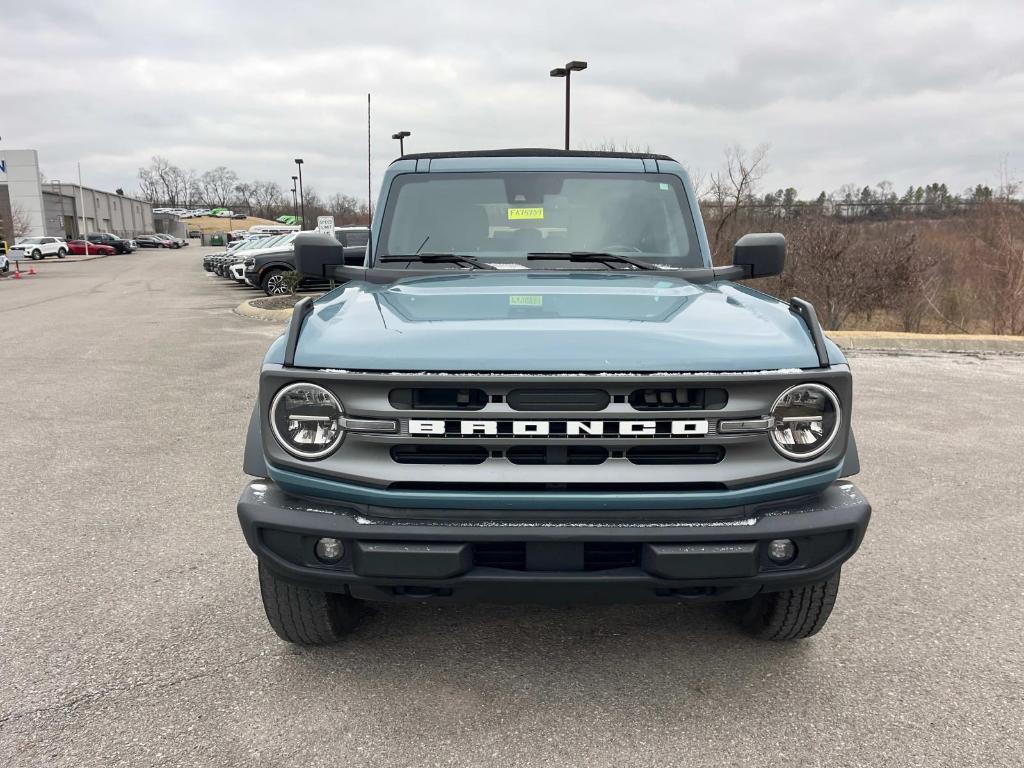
x=401, y=136
x=566, y=72
x=295, y=199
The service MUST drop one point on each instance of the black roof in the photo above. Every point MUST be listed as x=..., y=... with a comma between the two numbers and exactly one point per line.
x=535, y=152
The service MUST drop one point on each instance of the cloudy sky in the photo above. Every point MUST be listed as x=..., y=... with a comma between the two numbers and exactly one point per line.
x=843, y=92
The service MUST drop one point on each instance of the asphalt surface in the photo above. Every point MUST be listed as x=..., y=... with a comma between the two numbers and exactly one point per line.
x=131, y=630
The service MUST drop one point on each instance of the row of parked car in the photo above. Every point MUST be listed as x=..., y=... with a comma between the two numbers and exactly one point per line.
x=186, y=213
x=263, y=261
x=98, y=243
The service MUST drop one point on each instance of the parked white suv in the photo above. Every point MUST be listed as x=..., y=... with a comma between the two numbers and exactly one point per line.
x=38, y=248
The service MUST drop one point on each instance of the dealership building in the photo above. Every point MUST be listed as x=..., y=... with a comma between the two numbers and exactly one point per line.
x=31, y=207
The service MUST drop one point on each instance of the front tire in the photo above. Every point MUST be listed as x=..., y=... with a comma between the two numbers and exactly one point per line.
x=37, y=255
x=61, y=253
x=792, y=614
x=306, y=616
x=273, y=283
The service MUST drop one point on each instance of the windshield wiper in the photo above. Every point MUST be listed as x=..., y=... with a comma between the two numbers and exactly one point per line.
x=437, y=258
x=604, y=258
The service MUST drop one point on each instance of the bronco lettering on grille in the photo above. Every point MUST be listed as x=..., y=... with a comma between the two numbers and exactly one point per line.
x=557, y=428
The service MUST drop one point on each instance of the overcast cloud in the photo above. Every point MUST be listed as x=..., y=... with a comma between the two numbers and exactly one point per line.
x=859, y=92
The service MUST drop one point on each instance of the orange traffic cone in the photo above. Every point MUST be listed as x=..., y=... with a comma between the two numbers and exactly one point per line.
x=31, y=270
x=17, y=271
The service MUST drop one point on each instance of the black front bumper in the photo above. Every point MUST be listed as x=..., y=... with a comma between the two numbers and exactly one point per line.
x=499, y=559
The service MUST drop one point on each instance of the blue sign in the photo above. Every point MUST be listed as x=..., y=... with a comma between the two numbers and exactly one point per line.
x=3, y=166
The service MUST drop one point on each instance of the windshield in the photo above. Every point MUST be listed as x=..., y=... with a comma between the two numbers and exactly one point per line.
x=502, y=217
x=31, y=241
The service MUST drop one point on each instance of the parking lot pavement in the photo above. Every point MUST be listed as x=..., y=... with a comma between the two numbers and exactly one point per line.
x=131, y=631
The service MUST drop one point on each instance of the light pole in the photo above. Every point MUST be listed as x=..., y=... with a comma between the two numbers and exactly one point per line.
x=566, y=72
x=295, y=200
x=302, y=200
x=401, y=136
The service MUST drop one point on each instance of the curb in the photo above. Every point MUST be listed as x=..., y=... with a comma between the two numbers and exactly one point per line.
x=927, y=342
x=245, y=309
x=66, y=260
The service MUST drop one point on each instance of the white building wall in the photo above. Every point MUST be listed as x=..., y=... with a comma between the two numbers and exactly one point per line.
x=19, y=170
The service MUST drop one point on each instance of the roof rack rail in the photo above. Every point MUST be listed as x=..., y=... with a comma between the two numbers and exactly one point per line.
x=302, y=308
x=806, y=312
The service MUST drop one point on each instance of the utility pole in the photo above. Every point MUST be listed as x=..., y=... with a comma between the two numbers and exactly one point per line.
x=81, y=197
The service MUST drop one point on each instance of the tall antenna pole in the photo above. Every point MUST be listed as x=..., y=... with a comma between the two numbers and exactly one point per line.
x=369, y=169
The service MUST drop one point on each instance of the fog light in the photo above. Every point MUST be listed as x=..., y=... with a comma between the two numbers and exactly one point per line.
x=329, y=550
x=779, y=550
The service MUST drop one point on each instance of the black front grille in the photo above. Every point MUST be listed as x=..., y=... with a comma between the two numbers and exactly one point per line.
x=508, y=555
x=588, y=556
x=676, y=454
x=558, y=399
x=439, y=454
x=557, y=454
x=602, y=556
x=438, y=399
x=678, y=398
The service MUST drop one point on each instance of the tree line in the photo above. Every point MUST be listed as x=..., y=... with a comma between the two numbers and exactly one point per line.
x=165, y=184
x=926, y=260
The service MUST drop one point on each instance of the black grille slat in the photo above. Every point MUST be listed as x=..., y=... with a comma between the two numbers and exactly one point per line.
x=439, y=454
x=672, y=454
x=597, y=556
x=510, y=556
x=438, y=399
x=678, y=398
x=558, y=399
x=557, y=454
x=602, y=556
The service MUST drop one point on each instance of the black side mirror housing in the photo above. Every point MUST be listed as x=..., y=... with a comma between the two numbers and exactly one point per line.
x=318, y=255
x=761, y=255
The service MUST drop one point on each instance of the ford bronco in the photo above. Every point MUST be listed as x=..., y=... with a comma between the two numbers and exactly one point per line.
x=535, y=386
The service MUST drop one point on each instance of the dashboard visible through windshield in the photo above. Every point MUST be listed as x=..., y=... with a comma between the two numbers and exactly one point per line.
x=501, y=218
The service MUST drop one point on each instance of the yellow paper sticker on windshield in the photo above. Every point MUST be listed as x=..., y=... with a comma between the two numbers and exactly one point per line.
x=515, y=214
x=526, y=301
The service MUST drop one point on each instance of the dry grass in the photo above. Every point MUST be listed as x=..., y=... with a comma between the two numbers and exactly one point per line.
x=211, y=224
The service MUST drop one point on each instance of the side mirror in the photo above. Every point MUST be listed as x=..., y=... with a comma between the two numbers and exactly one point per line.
x=317, y=254
x=761, y=255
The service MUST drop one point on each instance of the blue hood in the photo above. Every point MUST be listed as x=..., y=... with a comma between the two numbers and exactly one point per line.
x=570, y=322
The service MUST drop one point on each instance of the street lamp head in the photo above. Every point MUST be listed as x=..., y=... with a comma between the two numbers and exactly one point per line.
x=401, y=135
x=560, y=72
x=576, y=66
x=298, y=161
x=294, y=179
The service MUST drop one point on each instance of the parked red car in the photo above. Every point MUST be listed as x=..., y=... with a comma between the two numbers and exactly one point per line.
x=95, y=249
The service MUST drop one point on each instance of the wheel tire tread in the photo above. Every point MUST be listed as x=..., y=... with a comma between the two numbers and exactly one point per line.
x=792, y=614
x=305, y=616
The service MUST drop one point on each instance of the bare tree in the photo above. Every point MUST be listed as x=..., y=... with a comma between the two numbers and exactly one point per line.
x=267, y=198
x=217, y=187
x=1000, y=236
x=20, y=223
x=729, y=189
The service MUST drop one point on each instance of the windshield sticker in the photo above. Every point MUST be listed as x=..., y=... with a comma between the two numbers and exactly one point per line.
x=515, y=214
x=664, y=186
x=526, y=301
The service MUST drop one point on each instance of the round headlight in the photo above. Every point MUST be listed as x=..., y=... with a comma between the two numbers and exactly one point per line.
x=806, y=420
x=306, y=420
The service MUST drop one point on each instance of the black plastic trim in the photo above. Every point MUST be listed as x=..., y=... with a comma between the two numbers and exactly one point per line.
x=534, y=152
x=806, y=312
x=302, y=308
